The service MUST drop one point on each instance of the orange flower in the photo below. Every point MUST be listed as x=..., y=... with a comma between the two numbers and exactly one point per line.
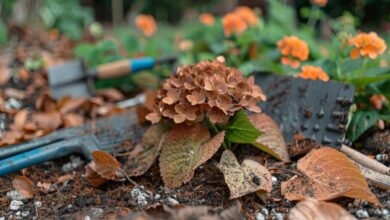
x=146, y=24
x=206, y=19
x=321, y=3
x=293, y=51
x=367, y=45
x=233, y=23
x=313, y=72
x=247, y=14
x=377, y=101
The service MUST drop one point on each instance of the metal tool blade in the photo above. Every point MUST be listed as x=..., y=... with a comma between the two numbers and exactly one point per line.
x=316, y=109
x=66, y=73
x=75, y=89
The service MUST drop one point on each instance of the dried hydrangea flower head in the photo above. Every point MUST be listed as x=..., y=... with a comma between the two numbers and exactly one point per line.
x=209, y=89
x=367, y=45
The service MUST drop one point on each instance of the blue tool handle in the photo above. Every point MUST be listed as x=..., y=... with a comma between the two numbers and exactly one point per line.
x=139, y=64
x=36, y=156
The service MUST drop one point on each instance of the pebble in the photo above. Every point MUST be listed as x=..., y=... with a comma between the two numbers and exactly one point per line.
x=12, y=103
x=265, y=211
x=274, y=180
x=74, y=162
x=87, y=218
x=362, y=213
x=18, y=213
x=157, y=196
x=2, y=218
x=15, y=195
x=171, y=201
x=260, y=216
x=139, y=196
x=276, y=215
x=25, y=213
x=38, y=204
x=15, y=205
x=385, y=213
x=96, y=213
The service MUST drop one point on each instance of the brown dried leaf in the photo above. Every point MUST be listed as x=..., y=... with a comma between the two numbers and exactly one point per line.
x=70, y=104
x=65, y=177
x=20, y=119
x=24, y=186
x=145, y=153
x=72, y=120
x=329, y=174
x=47, y=120
x=14, y=93
x=271, y=140
x=4, y=73
x=111, y=94
x=185, y=148
x=92, y=177
x=45, y=103
x=246, y=178
x=312, y=209
x=106, y=165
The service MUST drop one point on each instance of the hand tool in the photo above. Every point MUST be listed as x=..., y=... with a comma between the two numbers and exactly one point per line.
x=104, y=134
x=73, y=79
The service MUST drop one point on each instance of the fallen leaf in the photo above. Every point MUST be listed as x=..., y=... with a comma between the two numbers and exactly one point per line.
x=144, y=154
x=111, y=94
x=312, y=209
x=70, y=104
x=185, y=148
x=45, y=187
x=92, y=177
x=24, y=186
x=23, y=74
x=14, y=93
x=20, y=119
x=45, y=103
x=4, y=73
x=65, y=177
x=328, y=174
x=10, y=137
x=47, y=120
x=106, y=165
x=246, y=178
x=271, y=139
x=72, y=120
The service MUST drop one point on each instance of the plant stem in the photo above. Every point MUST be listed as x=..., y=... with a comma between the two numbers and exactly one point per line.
x=216, y=130
x=362, y=71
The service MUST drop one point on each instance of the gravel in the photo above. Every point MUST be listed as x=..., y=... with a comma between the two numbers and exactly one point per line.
x=260, y=216
x=15, y=205
x=15, y=195
x=171, y=201
x=140, y=197
x=74, y=162
x=362, y=213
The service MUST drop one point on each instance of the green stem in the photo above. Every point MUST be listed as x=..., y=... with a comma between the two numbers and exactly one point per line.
x=363, y=69
x=216, y=130
x=312, y=20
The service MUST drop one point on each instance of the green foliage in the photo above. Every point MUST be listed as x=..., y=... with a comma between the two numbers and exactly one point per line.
x=241, y=130
x=3, y=33
x=68, y=17
x=361, y=122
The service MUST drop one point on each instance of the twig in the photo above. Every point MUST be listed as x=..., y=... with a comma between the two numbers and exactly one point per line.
x=365, y=161
x=378, y=179
x=134, y=183
x=288, y=170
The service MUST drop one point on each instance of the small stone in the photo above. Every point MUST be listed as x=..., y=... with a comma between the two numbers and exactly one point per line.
x=74, y=162
x=25, y=213
x=276, y=215
x=139, y=196
x=377, y=212
x=15, y=195
x=2, y=218
x=96, y=213
x=171, y=201
x=265, y=211
x=12, y=103
x=87, y=218
x=157, y=196
x=260, y=216
x=167, y=191
x=18, y=213
x=15, y=205
x=38, y=204
x=70, y=206
x=385, y=213
x=362, y=213
x=274, y=180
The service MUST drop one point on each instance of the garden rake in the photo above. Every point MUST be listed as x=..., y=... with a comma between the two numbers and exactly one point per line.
x=104, y=134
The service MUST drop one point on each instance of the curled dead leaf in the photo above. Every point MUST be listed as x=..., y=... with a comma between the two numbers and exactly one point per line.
x=4, y=73
x=185, y=148
x=24, y=186
x=111, y=94
x=328, y=174
x=246, y=178
x=271, y=140
x=72, y=120
x=106, y=165
x=144, y=154
x=20, y=119
x=312, y=209
x=47, y=120
x=92, y=177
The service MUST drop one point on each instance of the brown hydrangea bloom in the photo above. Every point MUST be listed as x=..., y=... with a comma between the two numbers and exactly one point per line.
x=209, y=89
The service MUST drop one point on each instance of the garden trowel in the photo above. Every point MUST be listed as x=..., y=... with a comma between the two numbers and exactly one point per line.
x=73, y=79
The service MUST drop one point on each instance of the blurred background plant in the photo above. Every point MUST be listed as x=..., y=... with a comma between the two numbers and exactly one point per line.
x=317, y=39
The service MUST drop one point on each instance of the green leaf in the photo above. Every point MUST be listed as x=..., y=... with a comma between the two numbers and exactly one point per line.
x=241, y=130
x=361, y=122
x=3, y=33
x=362, y=81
